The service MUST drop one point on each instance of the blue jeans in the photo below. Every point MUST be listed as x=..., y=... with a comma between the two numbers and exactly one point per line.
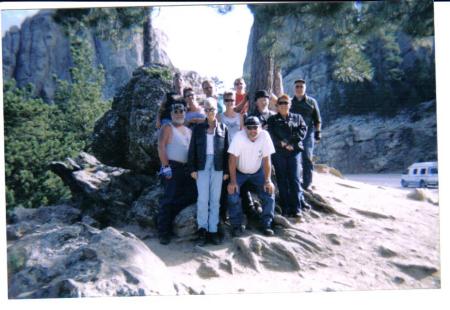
x=288, y=181
x=209, y=186
x=267, y=200
x=179, y=192
x=307, y=156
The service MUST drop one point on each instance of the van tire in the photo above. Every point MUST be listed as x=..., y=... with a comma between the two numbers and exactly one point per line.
x=422, y=184
x=404, y=183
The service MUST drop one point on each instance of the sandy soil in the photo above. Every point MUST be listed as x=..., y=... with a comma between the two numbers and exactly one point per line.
x=378, y=239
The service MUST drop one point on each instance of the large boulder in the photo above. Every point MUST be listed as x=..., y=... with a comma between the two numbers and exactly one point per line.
x=59, y=260
x=102, y=192
x=126, y=136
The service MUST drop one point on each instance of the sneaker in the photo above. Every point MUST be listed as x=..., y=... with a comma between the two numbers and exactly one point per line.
x=268, y=232
x=214, y=238
x=164, y=239
x=238, y=231
x=202, y=237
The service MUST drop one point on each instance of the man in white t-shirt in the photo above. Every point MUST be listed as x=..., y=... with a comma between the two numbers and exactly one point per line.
x=249, y=160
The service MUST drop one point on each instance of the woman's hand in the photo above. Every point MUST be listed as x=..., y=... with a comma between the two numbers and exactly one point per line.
x=194, y=175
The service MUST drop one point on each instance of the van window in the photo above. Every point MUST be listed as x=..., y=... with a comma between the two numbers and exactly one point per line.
x=433, y=170
x=423, y=170
x=415, y=171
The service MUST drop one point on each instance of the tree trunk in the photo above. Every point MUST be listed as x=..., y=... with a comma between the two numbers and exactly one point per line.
x=277, y=81
x=262, y=65
x=147, y=36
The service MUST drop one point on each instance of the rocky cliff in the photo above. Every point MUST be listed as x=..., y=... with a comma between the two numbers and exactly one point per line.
x=40, y=49
x=368, y=144
x=362, y=141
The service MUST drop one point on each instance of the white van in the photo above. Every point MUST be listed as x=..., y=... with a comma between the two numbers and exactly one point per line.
x=421, y=175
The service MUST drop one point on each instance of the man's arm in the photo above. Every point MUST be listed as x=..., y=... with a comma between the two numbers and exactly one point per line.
x=232, y=186
x=163, y=139
x=268, y=185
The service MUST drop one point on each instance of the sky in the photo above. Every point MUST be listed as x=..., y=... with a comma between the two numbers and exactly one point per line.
x=199, y=38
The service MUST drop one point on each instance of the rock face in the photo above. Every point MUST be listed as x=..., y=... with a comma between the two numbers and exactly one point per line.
x=126, y=136
x=64, y=258
x=365, y=144
x=104, y=193
x=40, y=49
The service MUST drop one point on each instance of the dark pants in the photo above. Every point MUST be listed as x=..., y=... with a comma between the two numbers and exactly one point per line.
x=247, y=200
x=180, y=191
x=267, y=200
x=288, y=181
x=307, y=156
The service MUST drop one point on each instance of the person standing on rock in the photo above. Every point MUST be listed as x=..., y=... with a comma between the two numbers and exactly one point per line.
x=178, y=84
x=249, y=160
x=308, y=108
x=195, y=113
x=288, y=131
x=208, y=165
x=163, y=116
x=262, y=111
x=242, y=102
x=233, y=121
x=210, y=91
x=179, y=188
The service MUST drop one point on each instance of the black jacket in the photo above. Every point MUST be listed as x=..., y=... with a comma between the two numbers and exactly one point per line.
x=291, y=130
x=197, y=148
x=308, y=109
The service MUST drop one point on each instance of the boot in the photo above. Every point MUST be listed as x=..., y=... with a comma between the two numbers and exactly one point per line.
x=202, y=237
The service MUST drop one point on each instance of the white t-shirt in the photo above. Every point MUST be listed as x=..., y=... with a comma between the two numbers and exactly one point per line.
x=250, y=154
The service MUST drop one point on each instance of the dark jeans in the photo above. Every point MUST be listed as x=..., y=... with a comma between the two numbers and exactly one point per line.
x=267, y=200
x=247, y=200
x=288, y=181
x=307, y=156
x=180, y=191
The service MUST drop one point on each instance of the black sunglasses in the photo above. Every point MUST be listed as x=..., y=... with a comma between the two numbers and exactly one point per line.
x=282, y=102
x=229, y=100
x=252, y=127
x=209, y=110
x=178, y=111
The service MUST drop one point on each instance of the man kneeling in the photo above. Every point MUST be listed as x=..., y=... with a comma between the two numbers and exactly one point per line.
x=249, y=160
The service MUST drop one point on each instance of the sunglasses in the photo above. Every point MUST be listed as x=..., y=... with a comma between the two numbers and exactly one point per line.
x=299, y=86
x=282, y=103
x=252, y=127
x=229, y=100
x=178, y=111
x=207, y=110
x=189, y=95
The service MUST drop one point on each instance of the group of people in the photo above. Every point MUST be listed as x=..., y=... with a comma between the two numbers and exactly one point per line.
x=215, y=152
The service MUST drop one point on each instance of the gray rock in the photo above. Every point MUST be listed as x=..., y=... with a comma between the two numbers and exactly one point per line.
x=207, y=271
x=81, y=261
x=126, y=136
x=40, y=49
x=103, y=192
x=185, y=223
